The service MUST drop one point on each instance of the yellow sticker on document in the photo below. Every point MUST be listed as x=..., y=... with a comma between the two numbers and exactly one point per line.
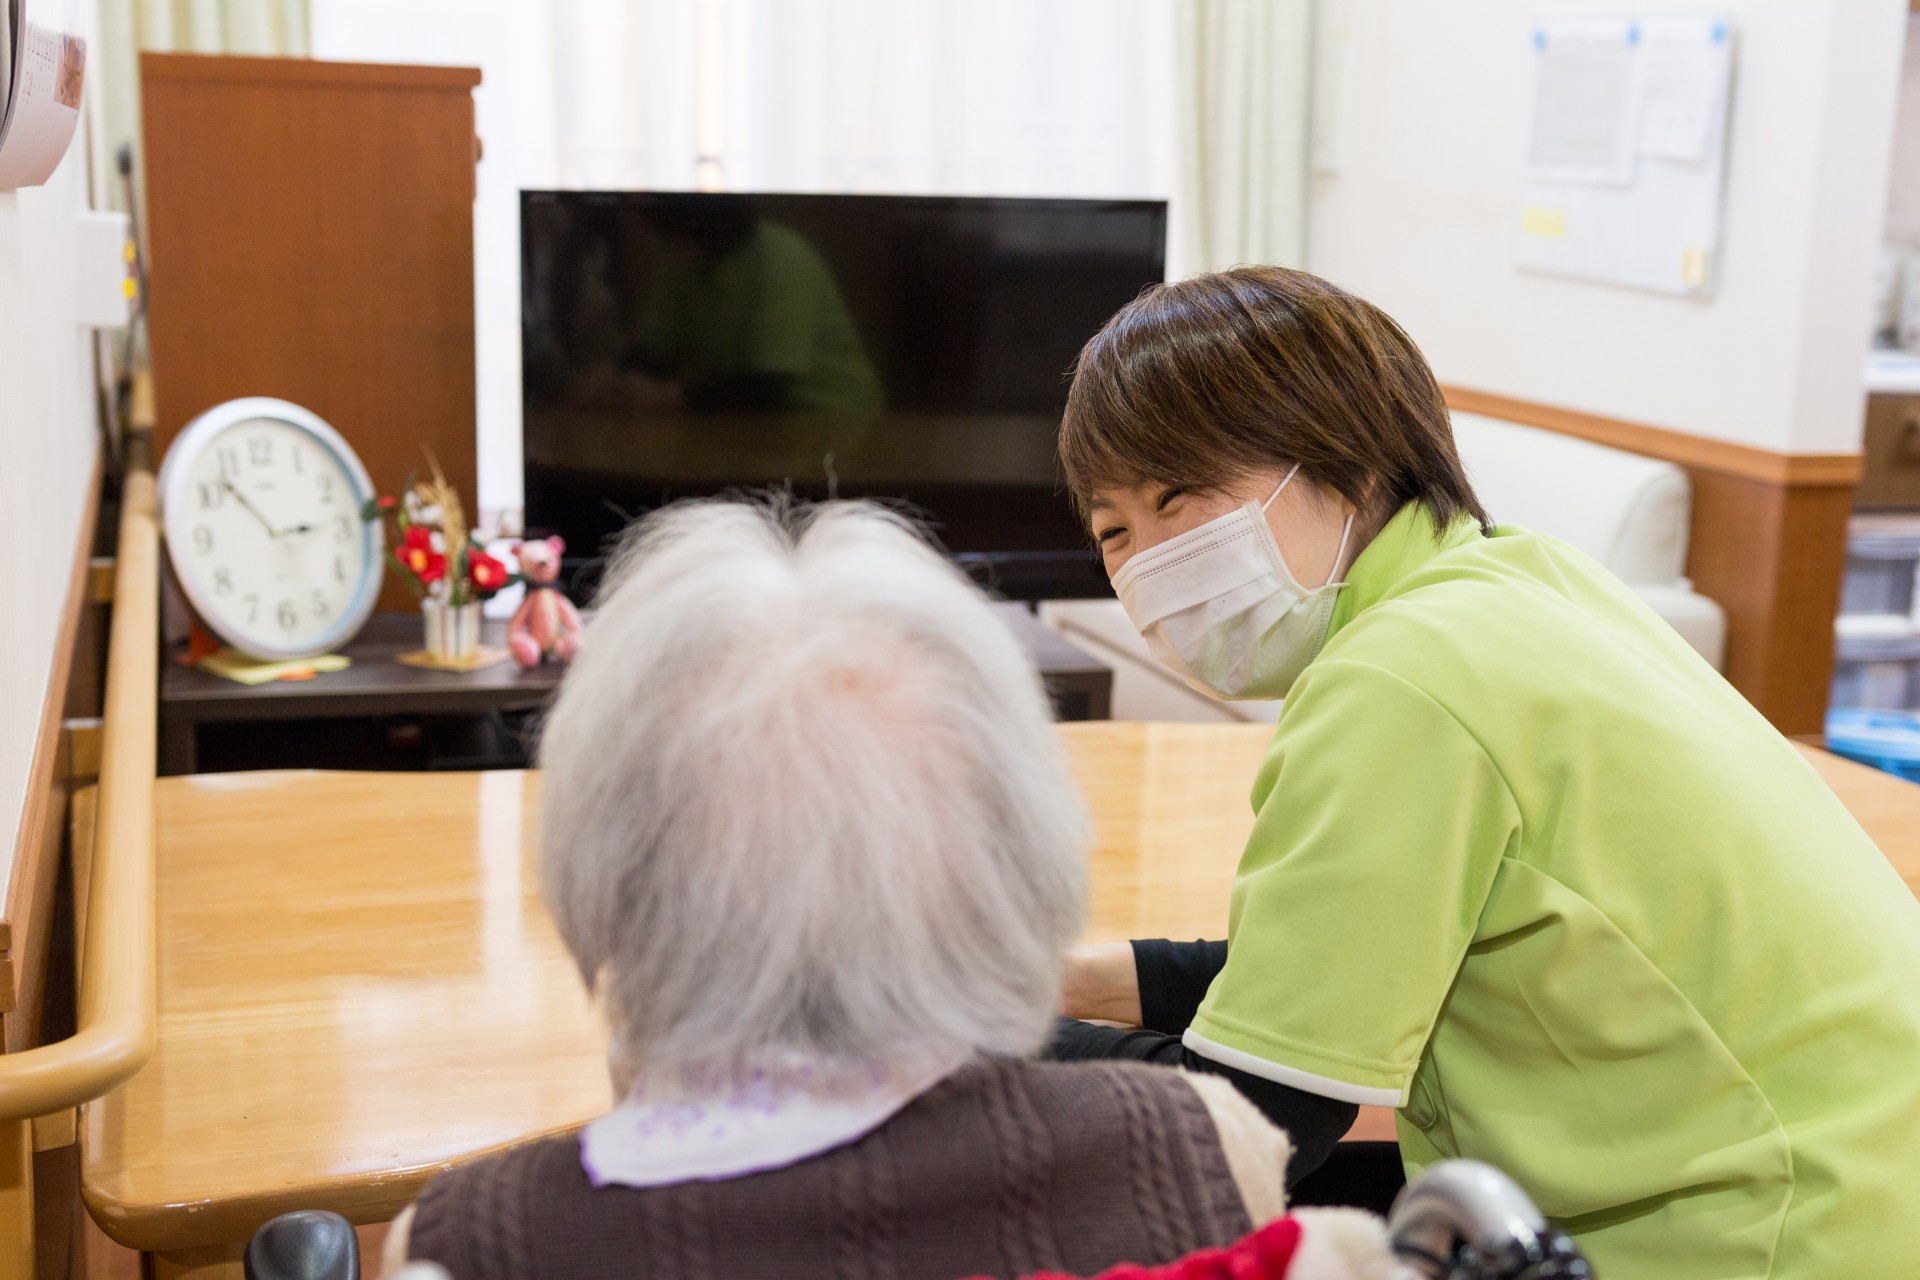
x=1693, y=268
x=1538, y=220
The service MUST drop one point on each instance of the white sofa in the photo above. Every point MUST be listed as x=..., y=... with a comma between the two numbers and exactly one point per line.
x=1627, y=511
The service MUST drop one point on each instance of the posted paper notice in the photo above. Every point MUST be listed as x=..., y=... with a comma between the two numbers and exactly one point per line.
x=1584, y=98
x=1684, y=83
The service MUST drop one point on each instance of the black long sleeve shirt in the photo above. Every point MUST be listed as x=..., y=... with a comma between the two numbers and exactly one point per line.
x=1174, y=977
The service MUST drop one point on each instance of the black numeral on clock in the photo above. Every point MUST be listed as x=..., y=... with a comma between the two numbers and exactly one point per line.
x=288, y=615
x=202, y=539
x=260, y=451
x=223, y=581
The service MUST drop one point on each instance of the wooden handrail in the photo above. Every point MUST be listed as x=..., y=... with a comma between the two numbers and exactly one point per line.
x=115, y=1026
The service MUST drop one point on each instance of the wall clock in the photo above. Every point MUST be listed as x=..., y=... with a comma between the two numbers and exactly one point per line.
x=260, y=502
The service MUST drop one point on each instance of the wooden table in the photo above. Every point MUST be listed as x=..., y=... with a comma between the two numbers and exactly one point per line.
x=358, y=984
x=377, y=686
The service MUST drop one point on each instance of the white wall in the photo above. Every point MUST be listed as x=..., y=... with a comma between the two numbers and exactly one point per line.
x=1421, y=218
x=48, y=439
x=1903, y=193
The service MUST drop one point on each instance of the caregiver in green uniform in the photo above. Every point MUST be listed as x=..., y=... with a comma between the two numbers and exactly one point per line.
x=1524, y=866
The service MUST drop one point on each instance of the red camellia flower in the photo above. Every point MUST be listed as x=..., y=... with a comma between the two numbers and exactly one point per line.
x=485, y=573
x=386, y=502
x=417, y=553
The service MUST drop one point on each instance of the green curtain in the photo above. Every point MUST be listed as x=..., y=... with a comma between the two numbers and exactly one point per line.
x=1244, y=72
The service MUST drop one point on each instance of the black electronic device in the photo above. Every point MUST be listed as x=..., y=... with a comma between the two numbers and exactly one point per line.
x=910, y=349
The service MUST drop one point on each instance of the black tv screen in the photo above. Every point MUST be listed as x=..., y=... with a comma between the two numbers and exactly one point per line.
x=909, y=349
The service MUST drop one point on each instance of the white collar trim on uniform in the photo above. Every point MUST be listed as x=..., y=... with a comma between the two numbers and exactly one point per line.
x=754, y=1127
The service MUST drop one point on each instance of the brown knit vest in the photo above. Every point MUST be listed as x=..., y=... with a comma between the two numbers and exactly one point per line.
x=1003, y=1169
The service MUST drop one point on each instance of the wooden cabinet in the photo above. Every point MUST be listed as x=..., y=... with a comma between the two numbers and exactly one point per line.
x=1892, y=449
x=310, y=236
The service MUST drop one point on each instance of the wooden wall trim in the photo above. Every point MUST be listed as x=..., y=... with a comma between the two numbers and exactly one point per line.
x=40, y=839
x=1766, y=541
x=1694, y=452
x=200, y=68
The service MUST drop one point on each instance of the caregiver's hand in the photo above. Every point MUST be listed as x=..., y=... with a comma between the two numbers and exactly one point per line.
x=1099, y=984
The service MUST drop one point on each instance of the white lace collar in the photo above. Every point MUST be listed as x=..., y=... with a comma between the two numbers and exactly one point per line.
x=751, y=1128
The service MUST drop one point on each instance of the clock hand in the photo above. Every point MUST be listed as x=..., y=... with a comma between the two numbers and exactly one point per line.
x=251, y=509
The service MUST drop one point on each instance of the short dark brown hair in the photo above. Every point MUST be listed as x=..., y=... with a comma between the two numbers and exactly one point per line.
x=1195, y=383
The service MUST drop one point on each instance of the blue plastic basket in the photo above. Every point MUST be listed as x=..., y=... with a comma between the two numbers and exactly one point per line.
x=1887, y=740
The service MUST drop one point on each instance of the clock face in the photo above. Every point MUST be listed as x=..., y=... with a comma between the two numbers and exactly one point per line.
x=262, y=510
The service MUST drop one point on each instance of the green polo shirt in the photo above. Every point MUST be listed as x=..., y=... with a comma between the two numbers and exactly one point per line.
x=1528, y=869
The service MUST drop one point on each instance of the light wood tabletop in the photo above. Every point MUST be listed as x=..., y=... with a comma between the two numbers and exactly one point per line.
x=358, y=984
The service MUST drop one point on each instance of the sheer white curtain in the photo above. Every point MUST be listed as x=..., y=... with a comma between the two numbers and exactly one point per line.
x=1002, y=97
x=1245, y=75
x=974, y=97
x=268, y=28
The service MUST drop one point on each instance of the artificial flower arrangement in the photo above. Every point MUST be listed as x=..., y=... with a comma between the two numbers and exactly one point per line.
x=434, y=549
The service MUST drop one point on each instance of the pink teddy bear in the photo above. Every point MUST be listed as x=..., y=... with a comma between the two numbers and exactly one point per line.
x=546, y=621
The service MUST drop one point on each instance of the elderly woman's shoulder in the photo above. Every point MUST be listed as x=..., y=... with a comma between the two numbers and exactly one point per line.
x=1207, y=1110
x=1200, y=1124
x=1130, y=1093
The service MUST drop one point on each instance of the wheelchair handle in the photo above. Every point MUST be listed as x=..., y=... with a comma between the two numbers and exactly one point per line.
x=311, y=1244
x=1464, y=1220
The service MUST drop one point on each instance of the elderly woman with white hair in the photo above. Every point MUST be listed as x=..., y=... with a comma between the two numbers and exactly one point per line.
x=810, y=836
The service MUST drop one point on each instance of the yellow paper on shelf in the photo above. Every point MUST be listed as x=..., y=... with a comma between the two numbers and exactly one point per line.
x=479, y=660
x=231, y=664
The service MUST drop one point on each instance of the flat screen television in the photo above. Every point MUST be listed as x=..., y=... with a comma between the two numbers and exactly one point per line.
x=910, y=349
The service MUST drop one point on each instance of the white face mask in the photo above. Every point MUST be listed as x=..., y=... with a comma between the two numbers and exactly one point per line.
x=1219, y=607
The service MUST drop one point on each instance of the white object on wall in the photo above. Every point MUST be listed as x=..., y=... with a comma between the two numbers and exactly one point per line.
x=1626, y=151
x=41, y=103
x=1420, y=220
x=101, y=298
